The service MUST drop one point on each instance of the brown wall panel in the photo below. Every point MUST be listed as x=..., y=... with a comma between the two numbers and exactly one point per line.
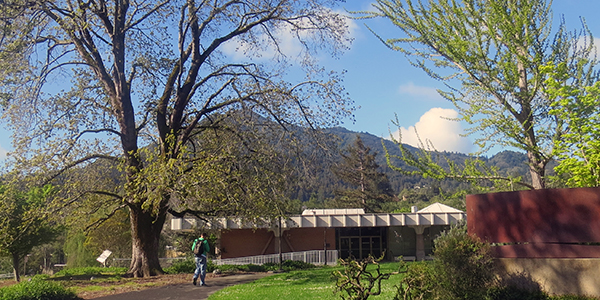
x=538, y=216
x=245, y=242
x=304, y=239
x=248, y=242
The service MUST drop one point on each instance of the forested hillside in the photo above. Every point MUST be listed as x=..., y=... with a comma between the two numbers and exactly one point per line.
x=316, y=191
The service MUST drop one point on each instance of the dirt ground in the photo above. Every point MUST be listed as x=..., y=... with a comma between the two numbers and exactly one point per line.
x=101, y=289
x=131, y=284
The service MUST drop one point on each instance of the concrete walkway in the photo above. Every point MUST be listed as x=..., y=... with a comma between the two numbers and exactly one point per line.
x=186, y=291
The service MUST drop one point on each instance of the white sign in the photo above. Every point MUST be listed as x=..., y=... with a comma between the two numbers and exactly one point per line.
x=102, y=258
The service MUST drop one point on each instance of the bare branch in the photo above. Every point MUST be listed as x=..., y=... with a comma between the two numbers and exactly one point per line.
x=76, y=163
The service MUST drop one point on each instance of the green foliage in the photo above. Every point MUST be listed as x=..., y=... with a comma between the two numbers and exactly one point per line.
x=24, y=221
x=578, y=151
x=418, y=282
x=187, y=265
x=496, y=66
x=463, y=263
x=109, y=109
x=113, y=234
x=463, y=268
x=288, y=265
x=429, y=163
x=371, y=187
x=357, y=281
x=37, y=289
x=90, y=271
x=315, y=283
x=78, y=255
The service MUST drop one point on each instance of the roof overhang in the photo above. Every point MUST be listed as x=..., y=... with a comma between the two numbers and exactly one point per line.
x=329, y=221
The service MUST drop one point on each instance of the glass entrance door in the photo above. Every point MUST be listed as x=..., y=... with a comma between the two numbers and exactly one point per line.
x=357, y=243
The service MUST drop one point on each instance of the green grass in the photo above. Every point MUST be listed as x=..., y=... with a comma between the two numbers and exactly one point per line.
x=316, y=283
x=37, y=289
x=90, y=271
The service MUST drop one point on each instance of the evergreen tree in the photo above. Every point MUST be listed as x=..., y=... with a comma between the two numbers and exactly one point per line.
x=371, y=187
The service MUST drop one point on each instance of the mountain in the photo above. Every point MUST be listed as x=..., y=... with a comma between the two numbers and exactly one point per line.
x=325, y=183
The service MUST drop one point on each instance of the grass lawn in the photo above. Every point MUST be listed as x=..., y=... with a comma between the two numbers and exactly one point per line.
x=315, y=283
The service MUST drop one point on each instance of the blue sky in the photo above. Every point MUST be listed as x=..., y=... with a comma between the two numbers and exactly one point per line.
x=384, y=84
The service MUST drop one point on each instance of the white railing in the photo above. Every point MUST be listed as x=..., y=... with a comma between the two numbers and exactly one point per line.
x=315, y=257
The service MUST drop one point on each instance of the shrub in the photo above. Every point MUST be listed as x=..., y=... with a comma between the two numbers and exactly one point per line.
x=358, y=283
x=37, y=289
x=418, y=282
x=463, y=263
x=187, y=265
x=296, y=265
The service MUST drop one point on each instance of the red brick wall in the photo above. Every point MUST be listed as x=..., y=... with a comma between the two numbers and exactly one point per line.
x=538, y=223
x=304, y=239
x=245, y=242
x=248, y=242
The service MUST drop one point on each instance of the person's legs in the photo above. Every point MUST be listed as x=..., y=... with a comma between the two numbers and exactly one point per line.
x=197, y=272
x=202, y=267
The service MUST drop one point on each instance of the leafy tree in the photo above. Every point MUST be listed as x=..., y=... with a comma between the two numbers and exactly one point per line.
x=493, y=49
x=113, y=234
x=578, y=151
x=158, y=73
x=359, y=169
x=24, y=222
x=77, y=254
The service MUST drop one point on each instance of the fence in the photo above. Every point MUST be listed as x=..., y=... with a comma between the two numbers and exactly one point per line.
x=316, y=257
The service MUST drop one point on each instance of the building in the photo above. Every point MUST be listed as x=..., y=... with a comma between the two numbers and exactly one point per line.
x=350, y=232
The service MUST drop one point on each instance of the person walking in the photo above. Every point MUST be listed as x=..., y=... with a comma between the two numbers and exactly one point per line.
x=200, y=249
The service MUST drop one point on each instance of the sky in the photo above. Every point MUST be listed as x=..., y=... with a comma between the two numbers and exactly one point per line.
x=385, y=86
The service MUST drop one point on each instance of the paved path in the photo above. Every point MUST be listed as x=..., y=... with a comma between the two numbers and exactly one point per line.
x=186, y=291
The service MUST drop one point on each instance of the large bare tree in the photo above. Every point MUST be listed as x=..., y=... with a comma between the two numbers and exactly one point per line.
x=89, y=80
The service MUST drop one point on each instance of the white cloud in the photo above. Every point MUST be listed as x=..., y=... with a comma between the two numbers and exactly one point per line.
x=3, y=153
x=584, y=42
x=434, y=126
x=286, y=38
x=419, y=91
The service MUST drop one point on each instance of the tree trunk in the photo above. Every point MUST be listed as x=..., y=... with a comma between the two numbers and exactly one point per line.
x=537, y=171
x=16, y=262
x=145, y=235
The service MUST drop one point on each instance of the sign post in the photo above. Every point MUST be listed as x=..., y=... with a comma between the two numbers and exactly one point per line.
x=102, y=258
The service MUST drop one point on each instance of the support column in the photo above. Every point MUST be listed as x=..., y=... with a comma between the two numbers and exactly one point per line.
x=278, y=233
x=420, y=242
x=217, y=245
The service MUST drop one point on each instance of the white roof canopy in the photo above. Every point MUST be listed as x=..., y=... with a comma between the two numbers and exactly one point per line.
x=435, y=214
x=439, y=208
